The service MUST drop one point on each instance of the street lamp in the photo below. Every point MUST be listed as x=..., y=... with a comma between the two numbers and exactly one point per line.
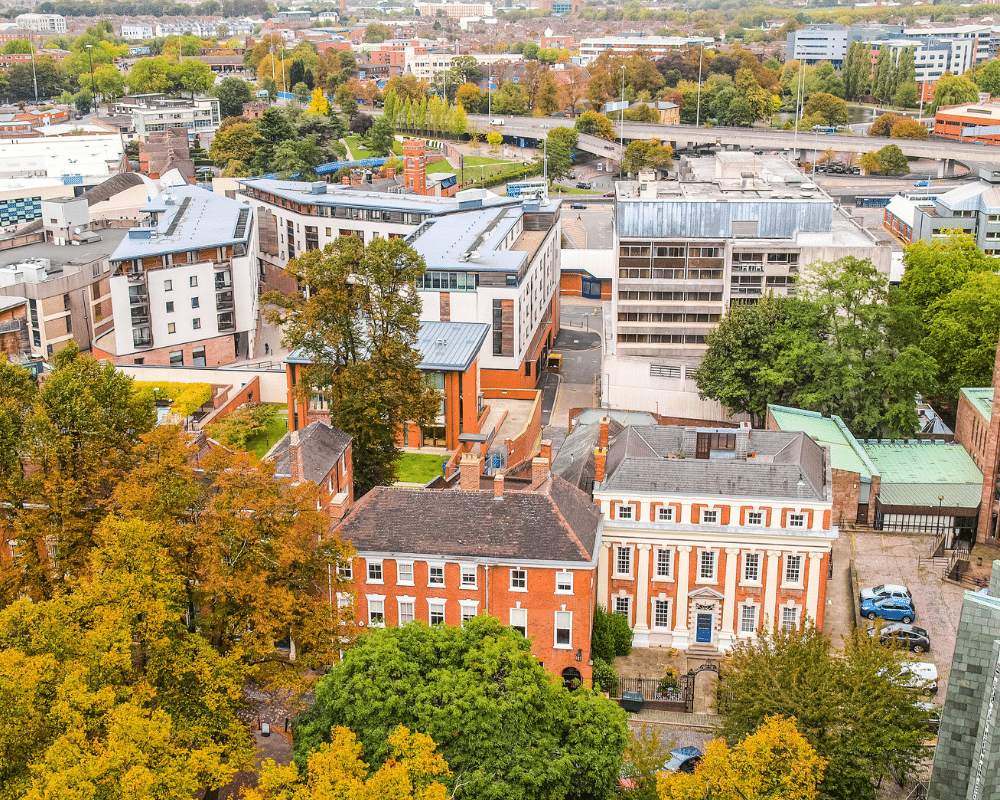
x=621, y=128
x=937, y=534
x=34, y=78
x=93, y=95
x=701, y=58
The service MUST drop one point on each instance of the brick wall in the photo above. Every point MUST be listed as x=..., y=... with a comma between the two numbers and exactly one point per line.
x=219, y=351
x=540, y=603
x=248, y=394
x=846, y=490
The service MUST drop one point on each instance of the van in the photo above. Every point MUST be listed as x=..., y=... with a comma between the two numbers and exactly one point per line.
x=496, y=121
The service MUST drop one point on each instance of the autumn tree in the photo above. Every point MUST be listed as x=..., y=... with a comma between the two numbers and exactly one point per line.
x=336, y=769
x=775, y=762
x=574, y=89
x=234, y=147
x=358, y=327
x=852, y=708
x=647, y=154
x=831, y=109
x=594, y=123
x=505, y=726
x=644, y=757
x=908, y=129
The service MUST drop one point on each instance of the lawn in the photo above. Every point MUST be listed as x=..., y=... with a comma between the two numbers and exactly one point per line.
x=359, y=153
x=420, y=467
x=260, y=443
x=571, y=190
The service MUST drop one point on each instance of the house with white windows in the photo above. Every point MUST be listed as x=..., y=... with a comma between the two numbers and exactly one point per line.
x=712, y=534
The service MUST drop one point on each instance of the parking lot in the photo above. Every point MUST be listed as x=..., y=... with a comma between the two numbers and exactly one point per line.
x=884, y=557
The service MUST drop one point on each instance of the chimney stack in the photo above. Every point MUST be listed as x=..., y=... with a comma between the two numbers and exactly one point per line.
x=600, y=457
x=546, y=452
x=295, y=457
x=605, y=422
x=539, y=471
x=743, y=441
x=498, y=485
x=469, y=471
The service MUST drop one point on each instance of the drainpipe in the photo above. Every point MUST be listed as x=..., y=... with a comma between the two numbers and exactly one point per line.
x=486, y=588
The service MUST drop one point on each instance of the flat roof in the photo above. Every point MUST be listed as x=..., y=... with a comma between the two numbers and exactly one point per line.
x=68, y=255
x=195, y=218
x=447, y=243
x=338, y=195
x=981, y=400
x=920, y=473
x=845, y=452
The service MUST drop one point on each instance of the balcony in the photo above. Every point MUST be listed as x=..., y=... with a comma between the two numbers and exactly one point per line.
x=224, y=301
x=142, y=338
x=138, y=299
x=227, y=322
x=140, y=319
x=135, y=276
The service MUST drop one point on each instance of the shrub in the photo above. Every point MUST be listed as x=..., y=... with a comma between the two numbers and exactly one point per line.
x=185, y=398
x=622, y=634
x=605, y=676
x=602, y=642
x=243, y=423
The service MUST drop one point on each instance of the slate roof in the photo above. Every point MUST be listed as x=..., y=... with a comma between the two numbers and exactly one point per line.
x=786, y=465
x=322, y=447
x=557, y=522
x=575, y=460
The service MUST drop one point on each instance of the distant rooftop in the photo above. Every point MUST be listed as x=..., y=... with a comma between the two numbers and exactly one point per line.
x=845, y=452
x=982, y=400
x=188, y=218
x=477, y=241
x=62, y=257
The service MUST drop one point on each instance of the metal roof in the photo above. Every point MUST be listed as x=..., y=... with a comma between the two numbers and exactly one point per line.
x=190, y=218
x=446, y=346
x=450, y=346
x=981, y=400
x=471, y=241
x=845, y=452
x=919, y=473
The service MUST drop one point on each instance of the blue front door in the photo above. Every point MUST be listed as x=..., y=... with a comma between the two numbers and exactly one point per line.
x=704, y=628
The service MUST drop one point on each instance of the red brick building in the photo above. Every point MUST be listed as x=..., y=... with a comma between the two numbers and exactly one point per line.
x=526, y=557
x=961, y=122
x=712, y=534
x=322, y=454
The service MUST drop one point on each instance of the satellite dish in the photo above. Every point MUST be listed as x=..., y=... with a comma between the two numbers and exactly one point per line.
x=76, y=230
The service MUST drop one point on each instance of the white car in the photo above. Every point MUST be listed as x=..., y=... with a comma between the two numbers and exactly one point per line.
x=497, y=121
x=885, y=590
x=919, y=675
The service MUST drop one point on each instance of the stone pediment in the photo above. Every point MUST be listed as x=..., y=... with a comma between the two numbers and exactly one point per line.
x=706, y=593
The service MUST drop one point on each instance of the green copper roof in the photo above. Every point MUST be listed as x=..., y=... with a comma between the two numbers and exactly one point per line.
x=845, y=452
x=981, y=399
x=920, y=473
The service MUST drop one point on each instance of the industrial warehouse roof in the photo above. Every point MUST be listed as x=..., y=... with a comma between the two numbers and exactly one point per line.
x=446, y=346
x=188, y=218
x=920, y=473
x=845, y=452
x=981, y=400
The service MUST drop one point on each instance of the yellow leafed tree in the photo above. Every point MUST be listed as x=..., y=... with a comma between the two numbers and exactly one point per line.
x=773, y=763
x=317, y=103
x=337, y=770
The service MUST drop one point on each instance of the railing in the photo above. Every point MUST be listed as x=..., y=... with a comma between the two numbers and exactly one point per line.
x=138, y=299
x=135, y=276
x=140, y=320
x=227, y=323
x=649, y=688
x=144, y=342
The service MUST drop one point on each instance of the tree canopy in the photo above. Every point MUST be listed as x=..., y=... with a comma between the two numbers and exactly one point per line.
x=844, y=345
x=852, y=709
x=647, y=154
x=507, y=729
x=358, y=326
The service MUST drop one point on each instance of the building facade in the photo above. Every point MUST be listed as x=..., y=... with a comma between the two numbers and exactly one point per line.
x=728, y=230
x=49, y=24
x=527, y=558
x=591, y=48
x=712, y=534
x=199, y=116
x=971, y=122
x=185, y=285
x=136, y=31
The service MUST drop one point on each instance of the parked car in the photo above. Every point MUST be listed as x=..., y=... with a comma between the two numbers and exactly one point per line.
x=577, y=205
x=895, y=609
x=885, y=590
x=583, y=185
x=916, y=639
x=922, y=183
x=683, y=759
x=496, y=121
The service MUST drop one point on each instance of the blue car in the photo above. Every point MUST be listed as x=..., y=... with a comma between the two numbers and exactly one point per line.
x=895, y=609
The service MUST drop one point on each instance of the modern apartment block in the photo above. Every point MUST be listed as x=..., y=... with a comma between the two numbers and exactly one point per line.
x=973, y=208
x=499, y=266
x=48, y=24
x=728, y=229
x=185, y=285
x=712, y=535
x=155, y=113
x=65, y=277
x=591, y=48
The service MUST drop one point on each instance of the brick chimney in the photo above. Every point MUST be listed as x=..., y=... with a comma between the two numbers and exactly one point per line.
x=604, y=433
x=546, y=452
x=295, y=457
x=469, y=471
x=339, y=505
x=346, y=181
x=539, y=471
x=498, y=485
x=600, y=458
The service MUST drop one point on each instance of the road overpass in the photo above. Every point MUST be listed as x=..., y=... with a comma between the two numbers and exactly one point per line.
x=802, y=142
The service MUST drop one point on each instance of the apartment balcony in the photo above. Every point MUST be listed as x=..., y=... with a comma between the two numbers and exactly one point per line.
x=142, y=339
x=135, y=276
x=224, y=301
x=140, y=319
x=227, y=322
x=138, y=299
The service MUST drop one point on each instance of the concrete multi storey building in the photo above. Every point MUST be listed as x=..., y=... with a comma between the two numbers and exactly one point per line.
x=49, y=24
x=712, y=534
x=727, y=230
x=185, y=285
x=591, y=48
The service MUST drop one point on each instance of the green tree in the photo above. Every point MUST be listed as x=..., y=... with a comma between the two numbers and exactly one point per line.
x=382, y=139
x=193, y=76
x=559, y=146
x=881, y=80
x=643, y=154
x=611, y=635
x=301, y=92
x=953, y=90
x=233, y=93
x=644, y=758
x=83, y=100
x=852, y=709
x=348, y=104
x=359, y=329
x=149, y=76
x=892, y=160
x=594, y=123
x=512, y=98
x=830, y=108
x=908, y=129
x=376, y=32
x=273, y=128
x=936, y=268
x=988, y=78
x=234, y=147
x=561, y=744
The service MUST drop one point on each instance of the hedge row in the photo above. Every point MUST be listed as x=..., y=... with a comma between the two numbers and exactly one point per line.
x=185, y=398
